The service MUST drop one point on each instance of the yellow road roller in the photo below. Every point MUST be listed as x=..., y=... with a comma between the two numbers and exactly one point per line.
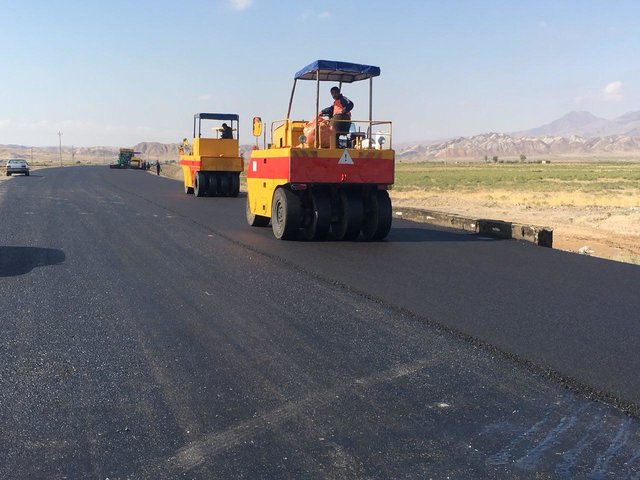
x=324, y=178
x=211, y=165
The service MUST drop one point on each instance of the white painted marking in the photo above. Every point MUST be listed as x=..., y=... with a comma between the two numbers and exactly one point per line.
x=210, y=445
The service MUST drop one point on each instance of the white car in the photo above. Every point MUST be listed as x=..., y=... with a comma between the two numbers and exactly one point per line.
x=17, y=165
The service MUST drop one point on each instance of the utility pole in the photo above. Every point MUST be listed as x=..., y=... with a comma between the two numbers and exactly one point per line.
x=73, y=155
x=31, y=155
x=60, y=140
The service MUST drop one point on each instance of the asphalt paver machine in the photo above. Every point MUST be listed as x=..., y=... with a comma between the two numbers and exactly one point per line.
x=316, y=179
x=127, y=159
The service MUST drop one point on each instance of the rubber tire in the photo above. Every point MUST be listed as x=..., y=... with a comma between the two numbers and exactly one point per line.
x=378, y=215
x=214, y=186
x=349, y=223
x=285, y=214
x=188, y=190
x=255, y=220
x=225, y=184
x=200, y=184
x=26, y=174
x=8, y=174
x=320, y=222
x=235, y=185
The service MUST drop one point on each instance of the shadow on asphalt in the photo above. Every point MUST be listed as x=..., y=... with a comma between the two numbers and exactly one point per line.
x=240, y=195
x=399, y=234
x=16, y=261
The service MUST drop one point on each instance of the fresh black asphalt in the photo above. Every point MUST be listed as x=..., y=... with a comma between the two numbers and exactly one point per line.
x=145, y=333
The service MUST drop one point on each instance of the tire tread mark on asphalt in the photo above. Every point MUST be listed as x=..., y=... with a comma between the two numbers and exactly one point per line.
x=531, y=459
x=601, y=468
x=182, y=414
x=504, y=455
x=196, y=453
x=133, y=331
x=630, y=464
x=569, y=457
x=589, y=391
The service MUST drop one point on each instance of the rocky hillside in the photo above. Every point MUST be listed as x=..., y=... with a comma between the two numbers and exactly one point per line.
x=503, y=145
x=168, y=151
x=153, y=150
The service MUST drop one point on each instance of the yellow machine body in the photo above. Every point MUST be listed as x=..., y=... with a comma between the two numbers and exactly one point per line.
x=211, y=155
x=211, y=166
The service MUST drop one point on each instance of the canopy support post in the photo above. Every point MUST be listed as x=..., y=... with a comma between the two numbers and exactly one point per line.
x=370, y=109
x=291, y=99
x=317, y=132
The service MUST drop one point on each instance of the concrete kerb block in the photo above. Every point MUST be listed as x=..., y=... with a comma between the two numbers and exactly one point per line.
x=494, y=228
x=437, y=218
x=542, y=236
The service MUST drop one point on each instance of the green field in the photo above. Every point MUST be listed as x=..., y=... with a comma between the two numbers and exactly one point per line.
x=619, y=178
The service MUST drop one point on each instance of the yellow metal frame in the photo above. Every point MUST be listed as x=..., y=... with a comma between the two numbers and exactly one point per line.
x=289, y=133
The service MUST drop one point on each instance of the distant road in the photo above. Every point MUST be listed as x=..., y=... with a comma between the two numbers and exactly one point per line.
x=145, y=333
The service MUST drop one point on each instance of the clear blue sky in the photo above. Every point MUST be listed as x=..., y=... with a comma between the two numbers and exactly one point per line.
x=121, y=72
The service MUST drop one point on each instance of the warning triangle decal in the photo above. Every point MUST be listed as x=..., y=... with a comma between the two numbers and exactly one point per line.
x=345, y=159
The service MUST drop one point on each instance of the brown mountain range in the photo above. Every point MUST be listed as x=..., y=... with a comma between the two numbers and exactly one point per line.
x=574, y=134
x=503, y=145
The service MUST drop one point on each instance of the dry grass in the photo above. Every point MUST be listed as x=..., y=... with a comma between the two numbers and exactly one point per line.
x=595, y=205
x=558, y=198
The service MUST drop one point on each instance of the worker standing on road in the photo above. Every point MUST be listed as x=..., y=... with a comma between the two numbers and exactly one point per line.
x=158, y=167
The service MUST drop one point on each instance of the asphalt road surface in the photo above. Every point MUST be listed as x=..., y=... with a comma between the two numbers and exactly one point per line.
x=145, y=333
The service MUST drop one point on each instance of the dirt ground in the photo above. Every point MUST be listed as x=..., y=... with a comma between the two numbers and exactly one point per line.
x=611, y=232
